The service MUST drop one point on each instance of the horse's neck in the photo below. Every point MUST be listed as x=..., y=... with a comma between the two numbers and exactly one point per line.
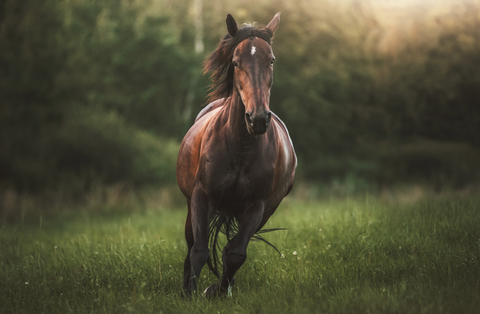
x=238, y=127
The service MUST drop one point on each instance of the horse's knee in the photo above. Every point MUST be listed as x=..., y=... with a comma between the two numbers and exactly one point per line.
x=199, y=255
x=235, y=258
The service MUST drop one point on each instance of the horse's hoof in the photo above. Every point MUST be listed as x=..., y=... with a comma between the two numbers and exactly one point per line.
x=212, y=292
x=215, y=291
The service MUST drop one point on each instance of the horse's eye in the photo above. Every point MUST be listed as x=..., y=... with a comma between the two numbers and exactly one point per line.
x=272, y=61
x=235, y=64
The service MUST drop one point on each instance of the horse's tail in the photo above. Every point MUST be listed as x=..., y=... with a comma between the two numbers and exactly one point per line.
x=228, y=226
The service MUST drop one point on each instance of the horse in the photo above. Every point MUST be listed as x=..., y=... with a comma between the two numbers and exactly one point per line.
x=237, y=161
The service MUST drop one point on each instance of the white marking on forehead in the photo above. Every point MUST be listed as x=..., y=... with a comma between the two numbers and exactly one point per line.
x=253, y=50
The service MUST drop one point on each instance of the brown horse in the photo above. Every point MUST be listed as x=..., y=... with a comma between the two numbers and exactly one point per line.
x=237, y=161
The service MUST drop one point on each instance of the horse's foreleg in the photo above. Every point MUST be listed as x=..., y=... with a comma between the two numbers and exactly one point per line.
x=198, y=253
x=187, y=268
x=235, y=252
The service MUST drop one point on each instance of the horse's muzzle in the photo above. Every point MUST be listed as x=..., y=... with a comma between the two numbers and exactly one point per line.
x=258, y=124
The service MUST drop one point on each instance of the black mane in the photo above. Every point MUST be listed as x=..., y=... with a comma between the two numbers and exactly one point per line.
x=220, y=62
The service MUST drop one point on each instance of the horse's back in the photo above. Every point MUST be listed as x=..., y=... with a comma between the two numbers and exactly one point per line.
x=210, y=107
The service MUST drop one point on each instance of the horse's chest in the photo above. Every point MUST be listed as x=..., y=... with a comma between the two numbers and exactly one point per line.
x=236, y=180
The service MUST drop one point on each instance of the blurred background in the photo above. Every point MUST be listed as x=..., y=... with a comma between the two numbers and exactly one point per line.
x=95, y=96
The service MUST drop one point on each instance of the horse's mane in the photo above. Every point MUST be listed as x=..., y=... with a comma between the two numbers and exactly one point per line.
x=220, y=62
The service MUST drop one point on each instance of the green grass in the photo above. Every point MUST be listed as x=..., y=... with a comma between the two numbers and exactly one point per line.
x=351, y=257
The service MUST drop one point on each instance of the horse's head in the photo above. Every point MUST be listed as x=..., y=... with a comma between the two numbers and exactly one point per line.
x=253, y=75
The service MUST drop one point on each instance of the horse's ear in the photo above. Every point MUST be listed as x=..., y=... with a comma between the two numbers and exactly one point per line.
x=232, y=25
x=274, y=23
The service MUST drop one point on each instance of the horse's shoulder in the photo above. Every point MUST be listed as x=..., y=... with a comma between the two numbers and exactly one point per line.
x=211, y=106
x=287, y=141
x=280, y=124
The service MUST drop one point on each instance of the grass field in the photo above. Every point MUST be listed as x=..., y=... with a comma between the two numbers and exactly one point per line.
x=340, y=256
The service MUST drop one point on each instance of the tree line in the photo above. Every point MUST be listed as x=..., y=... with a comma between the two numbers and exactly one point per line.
x=104, y=91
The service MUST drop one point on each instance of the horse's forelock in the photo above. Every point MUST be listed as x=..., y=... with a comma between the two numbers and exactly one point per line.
x=219, y=63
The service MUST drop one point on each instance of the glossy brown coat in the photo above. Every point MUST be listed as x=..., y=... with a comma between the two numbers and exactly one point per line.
x=237, y=161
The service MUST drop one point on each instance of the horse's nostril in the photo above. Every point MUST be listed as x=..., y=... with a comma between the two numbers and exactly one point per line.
x=269, y=117
x=248, y=118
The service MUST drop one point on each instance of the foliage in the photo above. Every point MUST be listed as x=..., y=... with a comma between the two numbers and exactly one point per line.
x=339, y=257
x=29, y=60
x=81, y=96
x=362, y=99
x=141, y=72
x=119, y=150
